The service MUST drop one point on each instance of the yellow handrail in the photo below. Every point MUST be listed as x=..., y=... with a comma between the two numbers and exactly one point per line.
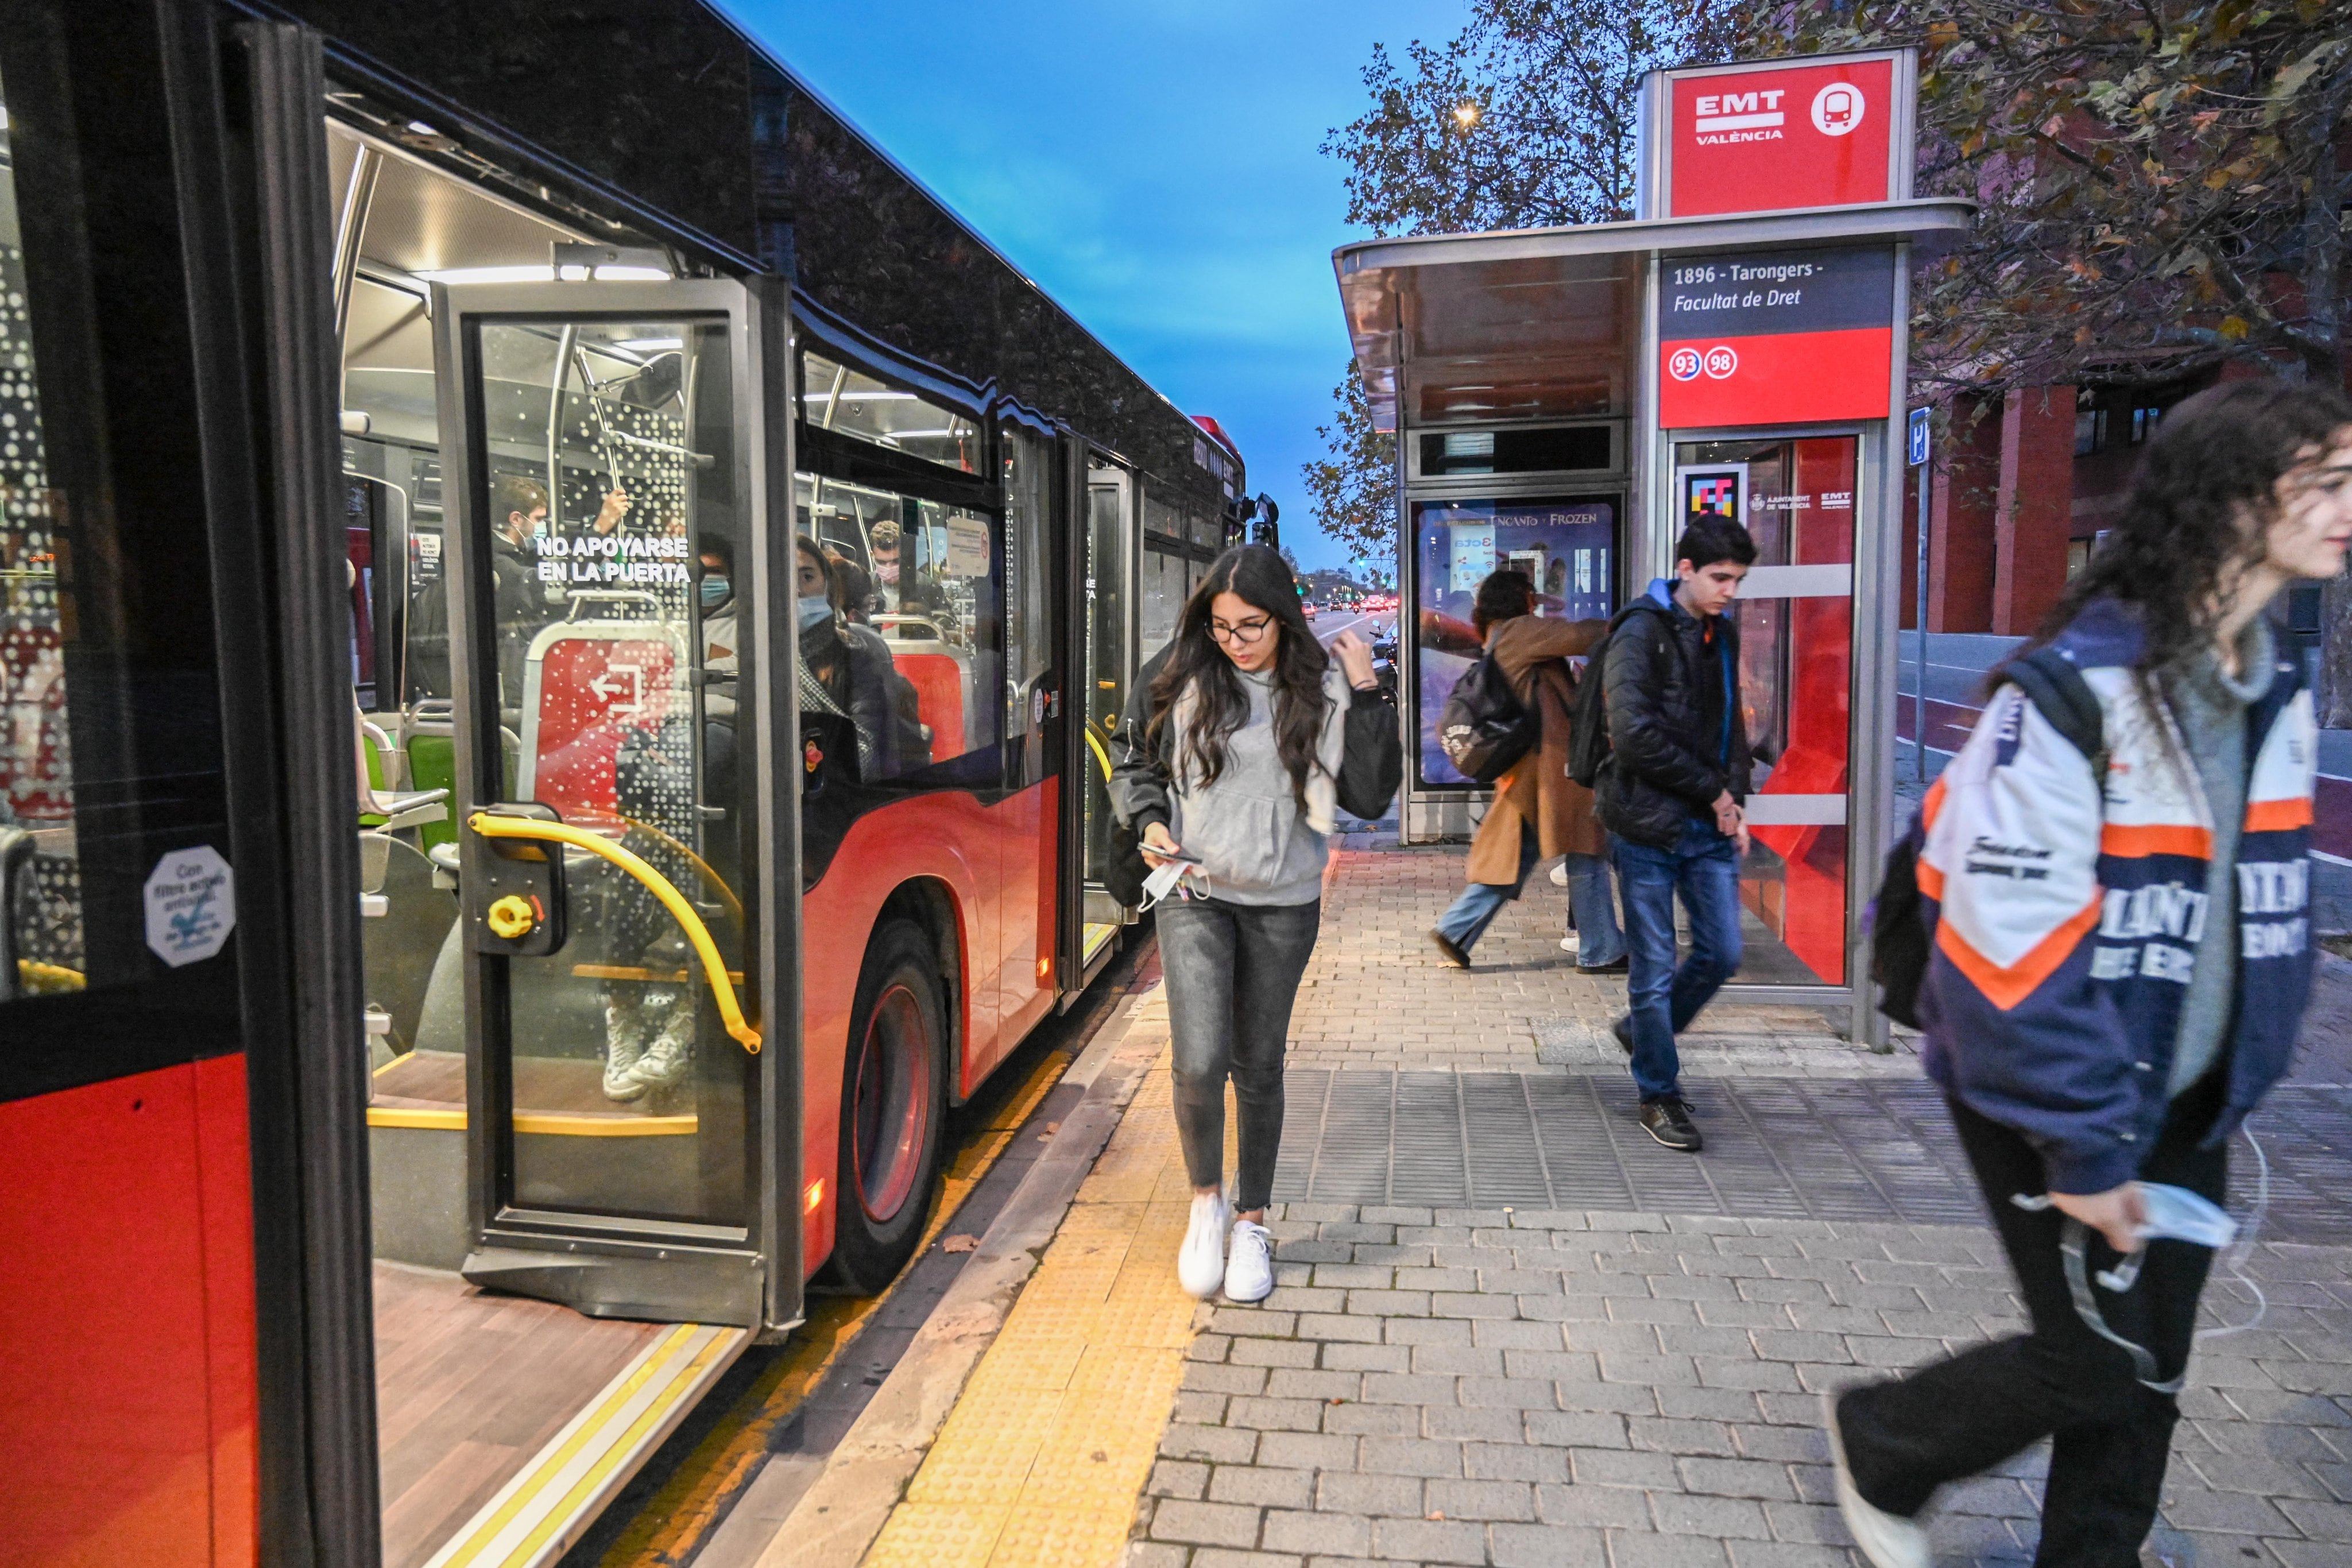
x=49, y=976
x=1101, y=756
x=714, y=967
x=711, y=875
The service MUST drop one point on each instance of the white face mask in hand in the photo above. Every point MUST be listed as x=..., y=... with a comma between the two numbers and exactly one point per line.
x=2176, y=1214
x=1159, y=885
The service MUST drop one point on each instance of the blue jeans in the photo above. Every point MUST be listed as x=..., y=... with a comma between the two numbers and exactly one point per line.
x=1704, y=867
x=1599, y=942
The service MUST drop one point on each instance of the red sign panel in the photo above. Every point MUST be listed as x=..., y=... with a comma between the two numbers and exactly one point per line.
x=1781, y=337
x=1746, y=139
x=593, y=691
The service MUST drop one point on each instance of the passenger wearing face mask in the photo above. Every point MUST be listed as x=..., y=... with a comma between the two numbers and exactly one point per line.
x=845, y=673
x=715, y=597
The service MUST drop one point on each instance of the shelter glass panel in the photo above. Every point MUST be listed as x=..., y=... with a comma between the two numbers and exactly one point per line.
x=1567, y=549
x=1796, y=659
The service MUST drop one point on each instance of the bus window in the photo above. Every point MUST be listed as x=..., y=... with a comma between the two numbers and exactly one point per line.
x=849, y=403
x=917, y=581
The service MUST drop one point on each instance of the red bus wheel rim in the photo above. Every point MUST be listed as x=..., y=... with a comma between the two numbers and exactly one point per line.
x=890, y=1108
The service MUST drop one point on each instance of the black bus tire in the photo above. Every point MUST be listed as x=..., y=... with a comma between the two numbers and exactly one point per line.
x=893, y=1109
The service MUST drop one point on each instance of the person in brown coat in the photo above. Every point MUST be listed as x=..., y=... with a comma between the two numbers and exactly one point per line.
x=1540, y=812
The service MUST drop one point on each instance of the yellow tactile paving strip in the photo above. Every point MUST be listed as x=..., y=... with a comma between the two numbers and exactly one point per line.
x=1052, y=1439
x=685, y=1510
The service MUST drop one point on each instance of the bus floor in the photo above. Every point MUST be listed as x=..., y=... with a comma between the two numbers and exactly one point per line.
x=762, y=1431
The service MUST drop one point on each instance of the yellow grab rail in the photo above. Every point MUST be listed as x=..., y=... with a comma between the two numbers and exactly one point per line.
x=49, y=977
x=714, y=967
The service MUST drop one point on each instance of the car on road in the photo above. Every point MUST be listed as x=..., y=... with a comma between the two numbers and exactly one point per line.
x=1307, y=608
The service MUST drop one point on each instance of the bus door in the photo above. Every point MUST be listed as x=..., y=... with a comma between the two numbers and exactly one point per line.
x=1104, y=628
x=626, y=940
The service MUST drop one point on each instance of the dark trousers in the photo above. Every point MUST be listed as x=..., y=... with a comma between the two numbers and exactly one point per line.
x=1232, y=973
x=2112, y=1433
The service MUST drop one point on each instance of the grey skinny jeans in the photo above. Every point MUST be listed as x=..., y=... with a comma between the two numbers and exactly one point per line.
x=1232, y=973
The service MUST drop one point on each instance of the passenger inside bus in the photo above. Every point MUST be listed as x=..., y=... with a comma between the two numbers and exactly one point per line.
x=916, y=593
x=849, y=689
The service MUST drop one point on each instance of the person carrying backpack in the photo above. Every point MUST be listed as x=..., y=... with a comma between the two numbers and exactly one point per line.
x=1538, y=812
x=1242, y=740
x=2116, y=970
x=1670, y=794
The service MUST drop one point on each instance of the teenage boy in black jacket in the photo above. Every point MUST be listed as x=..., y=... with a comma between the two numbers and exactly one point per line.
x=1670, y=797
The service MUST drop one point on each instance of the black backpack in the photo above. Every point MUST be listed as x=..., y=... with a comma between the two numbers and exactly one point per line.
x=1484, y=727
x=1898, y=933
x=1588, y=727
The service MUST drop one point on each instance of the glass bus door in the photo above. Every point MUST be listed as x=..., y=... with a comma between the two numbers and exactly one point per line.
x=1106, y=626
x=612, y=819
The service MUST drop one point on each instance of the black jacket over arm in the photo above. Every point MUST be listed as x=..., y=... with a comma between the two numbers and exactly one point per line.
x=1371, y=767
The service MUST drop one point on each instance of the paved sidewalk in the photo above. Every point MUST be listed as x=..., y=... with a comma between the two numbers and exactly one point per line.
x=1509, y=1330
x=1377, y=993
x=1527, y=1388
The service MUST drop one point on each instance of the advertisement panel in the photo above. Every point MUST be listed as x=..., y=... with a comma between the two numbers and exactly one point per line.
x=1751, y=138
x=1779, y=337
x=1567, y=549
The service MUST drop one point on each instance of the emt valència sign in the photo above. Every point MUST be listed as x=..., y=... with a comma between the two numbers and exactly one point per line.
x=1794, y=332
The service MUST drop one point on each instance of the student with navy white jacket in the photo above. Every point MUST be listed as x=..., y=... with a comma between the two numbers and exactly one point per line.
x=2118, y=969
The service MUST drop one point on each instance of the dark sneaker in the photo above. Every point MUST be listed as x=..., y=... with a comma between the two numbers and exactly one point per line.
x=1618, y=967
x=1624, y=1030
x=1669, y=1122
x=1445, y=945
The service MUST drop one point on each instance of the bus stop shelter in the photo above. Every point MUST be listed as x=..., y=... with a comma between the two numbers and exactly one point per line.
x=1565, y=399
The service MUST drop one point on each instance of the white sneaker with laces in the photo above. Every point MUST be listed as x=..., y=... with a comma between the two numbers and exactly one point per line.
x=1887, y=1540
x=1201, y=1261
x=1249, y=1263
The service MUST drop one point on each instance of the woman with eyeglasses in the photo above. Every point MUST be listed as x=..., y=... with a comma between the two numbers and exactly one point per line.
x=1241, y=742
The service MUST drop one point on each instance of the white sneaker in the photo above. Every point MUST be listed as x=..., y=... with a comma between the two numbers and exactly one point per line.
x=1571, y=943
x=1560, y=874
x=1249, y=1267
x=666, y=1061
x=624, y=1044
x=1201, y=1261
x=1887, y=1540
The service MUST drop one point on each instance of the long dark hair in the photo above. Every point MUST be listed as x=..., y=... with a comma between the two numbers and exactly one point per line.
x=1261, y=579
x=2184, y=537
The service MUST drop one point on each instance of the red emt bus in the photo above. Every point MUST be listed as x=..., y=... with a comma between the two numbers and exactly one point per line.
x=557, y=613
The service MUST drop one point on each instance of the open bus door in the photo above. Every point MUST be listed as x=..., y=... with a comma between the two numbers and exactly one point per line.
x=1102, y=630
x=627, y=939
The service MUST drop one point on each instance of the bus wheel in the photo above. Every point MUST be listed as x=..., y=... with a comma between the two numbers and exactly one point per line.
x=893, y=1101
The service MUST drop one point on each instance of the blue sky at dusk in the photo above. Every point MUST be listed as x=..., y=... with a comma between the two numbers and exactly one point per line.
x=1153, y=166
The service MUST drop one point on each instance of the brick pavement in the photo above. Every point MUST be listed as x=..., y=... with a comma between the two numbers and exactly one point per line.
x=1377, y=993
x=1529, y=1389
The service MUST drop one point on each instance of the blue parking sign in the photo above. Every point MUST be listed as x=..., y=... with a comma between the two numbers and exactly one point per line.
x=1919, y=436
